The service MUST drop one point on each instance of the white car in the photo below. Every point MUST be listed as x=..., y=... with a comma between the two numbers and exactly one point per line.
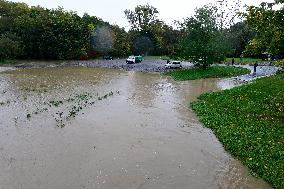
x=130, y=60
x=173, y=64
x=134, y=59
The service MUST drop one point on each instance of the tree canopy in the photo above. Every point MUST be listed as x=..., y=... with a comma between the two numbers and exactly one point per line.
x=238, y=36
x=268, y=24
x=206, y=37
x=203, y=40
x=54, y=33
x=149, y=34
x=142, y=17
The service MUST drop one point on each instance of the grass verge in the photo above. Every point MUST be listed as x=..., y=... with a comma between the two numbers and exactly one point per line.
x=7, y=62
x=249, y=122
x=244, y=60
x=156, y=58
x=279, y=63
x=210, y=72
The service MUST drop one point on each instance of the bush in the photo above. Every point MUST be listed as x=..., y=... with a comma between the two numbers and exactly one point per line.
x=9, y=47
x=279, y=63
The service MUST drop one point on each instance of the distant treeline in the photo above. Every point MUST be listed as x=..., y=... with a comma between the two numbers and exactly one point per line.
x=40, y=33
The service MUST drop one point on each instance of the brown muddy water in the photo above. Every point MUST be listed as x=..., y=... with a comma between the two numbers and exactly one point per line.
x=109, y=129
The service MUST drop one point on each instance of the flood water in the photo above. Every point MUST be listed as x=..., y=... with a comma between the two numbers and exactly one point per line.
x=108, y=129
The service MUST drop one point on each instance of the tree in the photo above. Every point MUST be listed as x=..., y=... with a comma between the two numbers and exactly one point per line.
x=55, y=33
x=103, y=40
x=121, y=46
x=142, y=17
x=143, y=21
x=170, y=37
x=9, y=46
x=238, y=36
x=203, y=41
x=268, y=24
x=149, y=34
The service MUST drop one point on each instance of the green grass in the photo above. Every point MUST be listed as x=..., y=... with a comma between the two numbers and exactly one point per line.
x=249, y=122
x=244, y=60
x=7, y=62
x=210, y=72
x=156, y=58
x=279, y=63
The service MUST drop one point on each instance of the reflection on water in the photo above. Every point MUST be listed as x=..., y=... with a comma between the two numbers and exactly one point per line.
x=142, y=136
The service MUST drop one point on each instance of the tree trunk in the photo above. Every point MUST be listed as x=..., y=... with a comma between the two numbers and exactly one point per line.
x=204, y=66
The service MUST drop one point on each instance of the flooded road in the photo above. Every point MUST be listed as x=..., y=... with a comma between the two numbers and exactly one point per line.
x=108, y=129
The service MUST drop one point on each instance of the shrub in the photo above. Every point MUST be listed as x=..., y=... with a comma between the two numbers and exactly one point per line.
x=9, y=47
x=279, y=63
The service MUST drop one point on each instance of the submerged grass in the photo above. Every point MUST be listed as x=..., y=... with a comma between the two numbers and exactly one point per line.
x=5, y=103
x=249, y=121
x=67, y=109
x=210, y=72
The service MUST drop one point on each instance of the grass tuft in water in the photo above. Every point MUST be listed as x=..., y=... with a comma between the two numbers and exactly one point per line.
x=55, y=103
x=5, y=103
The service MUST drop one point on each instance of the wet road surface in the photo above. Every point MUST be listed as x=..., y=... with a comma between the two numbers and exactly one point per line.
x=103, y=128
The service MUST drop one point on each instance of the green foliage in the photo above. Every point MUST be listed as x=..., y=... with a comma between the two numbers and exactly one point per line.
x=210, y=72
x=203, y=41
x=9, y=47
x=156, y=58
x=248, y=121
x=142, y=17
x=149, y=35
x=280, y=63
x=103, y=40
x=52, y=33
x=121, y=46
x=238, y=36
x=142, y=20
x=268, y=24
x=244, y=61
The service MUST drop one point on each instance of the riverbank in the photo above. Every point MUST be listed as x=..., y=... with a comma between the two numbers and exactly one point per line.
x=248, y=121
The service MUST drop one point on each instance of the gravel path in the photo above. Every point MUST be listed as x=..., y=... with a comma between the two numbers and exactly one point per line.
x=261, y=71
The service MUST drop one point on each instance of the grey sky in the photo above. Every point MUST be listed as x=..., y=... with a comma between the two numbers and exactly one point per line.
x=113, y=10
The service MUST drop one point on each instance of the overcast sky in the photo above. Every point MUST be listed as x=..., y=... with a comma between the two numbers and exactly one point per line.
x=113, y=10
